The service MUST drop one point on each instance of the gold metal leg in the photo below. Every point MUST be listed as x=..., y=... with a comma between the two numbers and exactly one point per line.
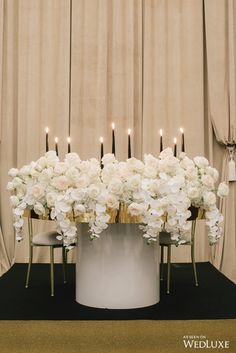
x=29, y=266
x=64, y=263
x=52, y=269
x=162, y=263
x=193, y=252
x=168, y=268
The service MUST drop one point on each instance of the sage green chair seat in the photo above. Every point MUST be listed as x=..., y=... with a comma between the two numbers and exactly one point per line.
x=45, y=239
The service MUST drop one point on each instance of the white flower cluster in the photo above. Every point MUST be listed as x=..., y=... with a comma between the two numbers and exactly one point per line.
x=159, y=191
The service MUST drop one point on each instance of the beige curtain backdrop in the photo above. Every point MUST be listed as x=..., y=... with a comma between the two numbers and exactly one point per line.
x=137, y=63
x=221, y=76
x=173, y=86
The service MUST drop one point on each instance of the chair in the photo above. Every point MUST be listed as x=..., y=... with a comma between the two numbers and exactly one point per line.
x=49, y=239
x=165, y=241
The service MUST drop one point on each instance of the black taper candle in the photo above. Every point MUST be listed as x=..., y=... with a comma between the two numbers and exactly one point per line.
x=113, y=140
x=182, y=144
x=68, y=140
x=102, y=152
x=129, y=144
x=175, y=147
x=56, y=145
x=161, y=141
x=47, y=143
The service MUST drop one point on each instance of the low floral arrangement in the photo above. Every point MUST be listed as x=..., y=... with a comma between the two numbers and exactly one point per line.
x=157, y=190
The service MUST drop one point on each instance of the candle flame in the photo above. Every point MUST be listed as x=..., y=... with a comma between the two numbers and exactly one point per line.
x=47, y=130
x=129, y=131
x=161, y=132
x=68, y=139
x=101, y=139
x=181, y=130
x=175, y=140
x=56, y=139
x=113, y=126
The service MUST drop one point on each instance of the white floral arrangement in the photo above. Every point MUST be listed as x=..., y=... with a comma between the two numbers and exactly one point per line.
x=157, y=190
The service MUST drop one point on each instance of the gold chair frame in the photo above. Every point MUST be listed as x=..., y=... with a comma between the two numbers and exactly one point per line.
x=30, y=217
x=196, y=214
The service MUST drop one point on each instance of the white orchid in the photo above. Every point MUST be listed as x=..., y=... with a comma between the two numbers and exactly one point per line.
x=158, y=190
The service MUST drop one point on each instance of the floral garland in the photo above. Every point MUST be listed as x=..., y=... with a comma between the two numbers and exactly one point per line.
x=158, y=190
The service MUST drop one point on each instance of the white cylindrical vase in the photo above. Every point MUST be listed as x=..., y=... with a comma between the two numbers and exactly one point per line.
x=117, y=271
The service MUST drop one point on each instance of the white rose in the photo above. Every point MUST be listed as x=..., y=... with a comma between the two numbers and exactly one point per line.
x=78, y=194
x=39, y=209
x=51, y=158
x=73, y=159
x=20, y=191
x=112, y=201
x=150, y=172
x=13, y=172
x=93, y=191
x=115, y=186
x=135, y=209
x=150, y=161
x=72, y=174
x=61, y=182
x=209, y=198
x=60, y=168
x=94, y=170
x=25, y=170
x=186, y=163
x=213, y=173
x=223, y=190
x=167, y=152
x=135, y=165
x=108, y=158
x=134, y=182
x=82, y=181
x=14, y=201
x=37, y=191
x=41, y=163
x=193, y=193
x=123, y=170
x=208, y=181
x=201, y=162
x=191, y=173
x=154, y=186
